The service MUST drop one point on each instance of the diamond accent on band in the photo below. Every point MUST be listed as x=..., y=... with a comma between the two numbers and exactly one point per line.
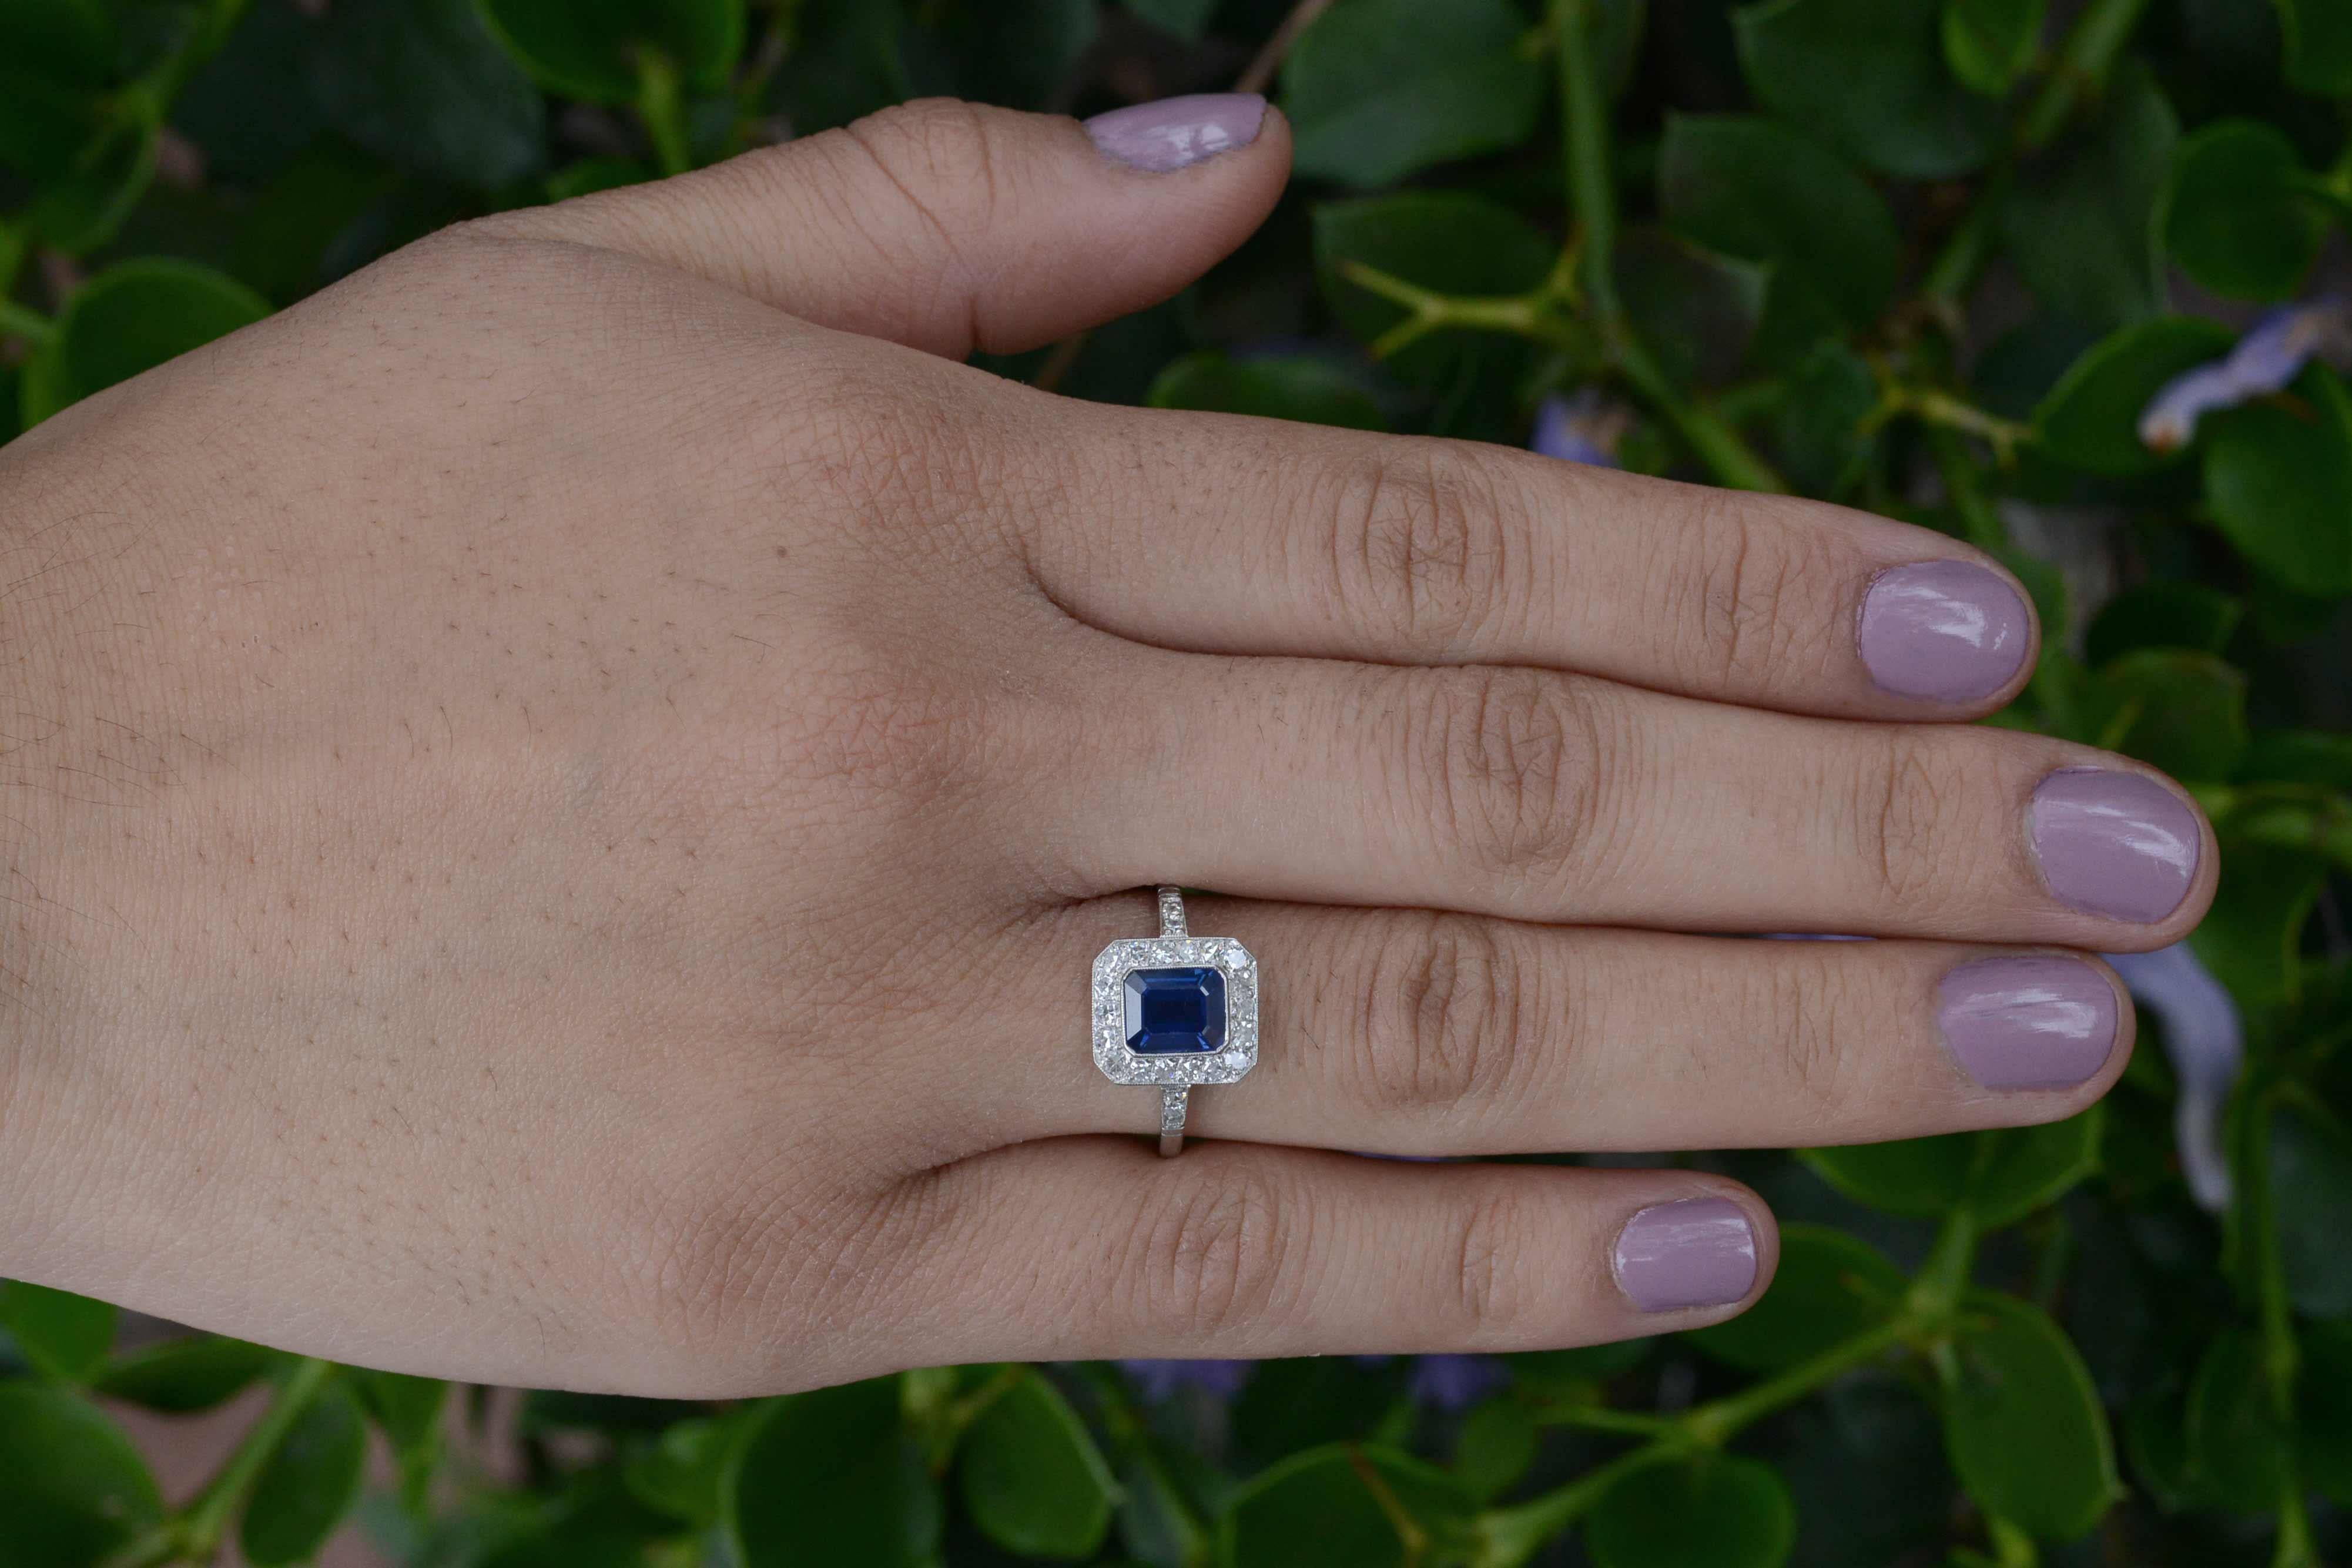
x=1172, y=912
x=1171, y=1110
x=1222, y=953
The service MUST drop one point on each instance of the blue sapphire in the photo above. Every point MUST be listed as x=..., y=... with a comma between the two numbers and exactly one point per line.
x=1175, y=1010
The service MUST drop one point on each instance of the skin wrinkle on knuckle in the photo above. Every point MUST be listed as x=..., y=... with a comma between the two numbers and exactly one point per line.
x=1216, y=1253
x=1901, y=813
x=1492, y=1267
x=1444, y=1029
x=1422, y=553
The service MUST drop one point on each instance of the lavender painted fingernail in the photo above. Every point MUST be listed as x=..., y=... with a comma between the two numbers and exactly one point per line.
x=1947, y=631
x=1175, y=133
x=1699, y=1252
x=2038, y=1022
x=2115, y=844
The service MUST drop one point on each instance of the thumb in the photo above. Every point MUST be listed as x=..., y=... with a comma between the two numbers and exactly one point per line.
x=952, y=226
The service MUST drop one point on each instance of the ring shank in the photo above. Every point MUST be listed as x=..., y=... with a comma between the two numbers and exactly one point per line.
x=1174, y=1100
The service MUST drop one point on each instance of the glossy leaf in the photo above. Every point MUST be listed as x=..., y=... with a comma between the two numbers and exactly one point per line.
x=1989, y=44
x=2237, y=218
x=1499, y=1441
x=56, y=57
x=129, y=319
x=2190, y=616
x=2278, y=475
x=1339, y=1507
x=2238, y=1452
x=2080, y=221
x=1868, y=77
x=2025, y=1168
x=1757, y=190
x=63, y=1334
x=72, y=1488
x=2090, y=420
x=1185, y=19
x=2185, y=712
x=683, y=1471
x=2311, y=1196
x=2250, y=939
x=2025, y=1429
x=1377, y=90
x=2323, y=1409
x=596, y=50
x=2318, y=38
x=309, y=1484
x=831, y=1476
x=1033, y=1479
x=1309, y=390
x=181, y=1375
x=1829, y=1286
x=1714, y=1512
x=425, y=86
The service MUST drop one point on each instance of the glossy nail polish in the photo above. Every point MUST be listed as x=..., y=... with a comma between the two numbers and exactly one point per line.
x=2114, y=842
x=2039, y=1021
x=1699, y=1252
x=1176, y=133
x=1943, y=631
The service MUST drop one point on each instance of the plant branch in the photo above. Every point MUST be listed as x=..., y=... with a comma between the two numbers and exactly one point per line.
x=195, y=1533
x=661, y=109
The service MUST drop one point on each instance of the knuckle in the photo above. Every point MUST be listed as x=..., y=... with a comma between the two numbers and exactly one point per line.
x=1422, y=547
x=1214, y=1256
x=1745, y=588
x=1515, y=766
x=939, y=155
x=1899, y=814
x=1801, y=1001
x=1499, y=1238
x=1445, y=1023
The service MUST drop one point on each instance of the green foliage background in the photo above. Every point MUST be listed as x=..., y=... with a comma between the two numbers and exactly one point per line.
x=1928, y=256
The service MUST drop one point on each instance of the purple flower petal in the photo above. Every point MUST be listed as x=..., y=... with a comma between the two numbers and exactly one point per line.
x=1159, y=1380
x=1582, y=429
x=2206, y=1043
x=2272, y=354
x=1454, y=1382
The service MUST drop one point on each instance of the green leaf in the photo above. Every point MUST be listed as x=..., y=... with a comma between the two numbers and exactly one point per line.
x=2322, y=757
x=2025, y=1429
x=1830, y=1287
x=2164, y=614
x=683, y=1473
x=83, y=209
x=1751, y=188
x=1339, y=1507
x=2323, y=1409
x=831, y=1476
x=63, y=1334
x=183, y=1376
x=1989, y=44
x=2080, y=222
x=2184, y=713
x=590, y=175
x=2236, y=215
x=1712, y=1512
x=1033, y=1479
x=131, y=318
x=2025, y=1168
x=2090, y=420
x=56, y=57
x=593, y=48
x=1445, y=241
x=1311, y=391
x=1185, y=19
x=72, y=1488
x=296, y=221
x=2311, y=1192
x=2278, y=475
x=308, y=1484
x=1020, y=55
x=423, y=85
x=407, y=1407
x=1498, y=1442
x=2238, y=1453
x=1817, y=428
x=1379, y=89
x=1868, y=76
x=2319, y=38
x=2250, y=938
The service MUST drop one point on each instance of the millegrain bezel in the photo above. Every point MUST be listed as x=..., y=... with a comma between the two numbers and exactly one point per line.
x=1225, y=1065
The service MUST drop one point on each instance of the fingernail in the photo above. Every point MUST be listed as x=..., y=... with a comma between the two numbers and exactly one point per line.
x=1700, y=1252
x=2115, y=844
x=1177, y=132
x=1946, y=631
x=2041, y=1022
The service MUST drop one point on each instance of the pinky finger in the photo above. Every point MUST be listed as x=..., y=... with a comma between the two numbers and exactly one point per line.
x=1096, y=1248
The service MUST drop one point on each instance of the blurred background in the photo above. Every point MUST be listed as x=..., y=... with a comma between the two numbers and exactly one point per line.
x=2066, y=277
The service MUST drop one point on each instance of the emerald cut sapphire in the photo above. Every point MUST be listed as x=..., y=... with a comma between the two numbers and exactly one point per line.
x=1175, y=1010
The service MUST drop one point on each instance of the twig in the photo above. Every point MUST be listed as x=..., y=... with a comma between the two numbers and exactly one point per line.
x=1259, y=74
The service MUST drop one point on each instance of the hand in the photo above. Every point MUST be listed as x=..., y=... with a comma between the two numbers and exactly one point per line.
x=564, y=791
